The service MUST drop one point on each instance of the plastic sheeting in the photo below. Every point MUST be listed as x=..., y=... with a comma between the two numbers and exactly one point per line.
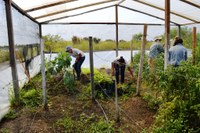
x=6, y=80
x=83, y=7
x=25, y=30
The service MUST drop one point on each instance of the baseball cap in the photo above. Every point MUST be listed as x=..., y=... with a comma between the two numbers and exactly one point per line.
x=68, y=48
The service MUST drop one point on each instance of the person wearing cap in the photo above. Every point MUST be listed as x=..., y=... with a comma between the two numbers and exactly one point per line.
x=80, y=57
x=177, y=52
x=155, y=50
x=118, y=67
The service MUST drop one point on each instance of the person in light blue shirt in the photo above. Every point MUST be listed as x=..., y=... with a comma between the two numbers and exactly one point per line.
x=177, y=53
x=154, y=51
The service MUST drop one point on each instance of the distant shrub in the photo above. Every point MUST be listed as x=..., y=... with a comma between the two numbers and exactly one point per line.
x=96, y=40
x=86, y=38
x=76, y=40
x=109, y=40
x=122, y=41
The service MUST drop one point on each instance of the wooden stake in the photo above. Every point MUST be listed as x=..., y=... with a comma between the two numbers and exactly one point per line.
x=167, y=31
x=91, y=68
x=194, y=43
x=116, y=16
x=43, y=76
x=131, y=47
x=141, y=61
x=116, y=103
x=12, y=50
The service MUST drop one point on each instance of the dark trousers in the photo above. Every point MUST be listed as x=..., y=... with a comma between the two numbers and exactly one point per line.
x=119, y=70
x=77, y=66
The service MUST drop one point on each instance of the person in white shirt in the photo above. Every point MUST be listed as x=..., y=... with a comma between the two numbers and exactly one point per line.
x=80, y=57
x=118, y=67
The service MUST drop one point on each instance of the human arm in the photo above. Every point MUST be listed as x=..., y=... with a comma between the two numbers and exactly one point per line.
x=78, y=58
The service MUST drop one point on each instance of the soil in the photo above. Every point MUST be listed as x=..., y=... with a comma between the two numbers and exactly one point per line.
x=135, y=116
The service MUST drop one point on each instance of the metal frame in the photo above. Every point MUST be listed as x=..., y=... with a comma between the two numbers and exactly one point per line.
x=49, y=5
x=172, y=12
x=194, y=21
x=80, y=7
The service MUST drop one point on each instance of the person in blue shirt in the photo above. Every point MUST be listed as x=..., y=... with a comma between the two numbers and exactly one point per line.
x=177, y=53
x=155, y=50
x=80, y=57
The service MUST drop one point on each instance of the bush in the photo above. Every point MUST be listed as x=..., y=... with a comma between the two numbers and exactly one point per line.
x=76, y=40
x=180, y=91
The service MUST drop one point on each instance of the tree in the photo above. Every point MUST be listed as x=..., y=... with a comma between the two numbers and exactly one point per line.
x=50, y=41
x=137, y=37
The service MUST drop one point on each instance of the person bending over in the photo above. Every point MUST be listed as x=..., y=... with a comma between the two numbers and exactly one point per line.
x=80, y=57
x=118, y=67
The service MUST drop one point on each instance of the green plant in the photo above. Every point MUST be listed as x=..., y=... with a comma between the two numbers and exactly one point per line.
x=84, y=124
x=102, y=127
x=4, y=130
x=60, y=63
x=31, y=98
x=10, y=115
x=69, y=80
x=180, y=92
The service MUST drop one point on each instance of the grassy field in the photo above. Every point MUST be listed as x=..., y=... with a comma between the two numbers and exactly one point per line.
x=4, y=55
x=102, y=46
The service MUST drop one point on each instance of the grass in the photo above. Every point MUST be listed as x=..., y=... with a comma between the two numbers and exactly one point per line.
x=102, y=46
x=4, y=55
x=60, y=47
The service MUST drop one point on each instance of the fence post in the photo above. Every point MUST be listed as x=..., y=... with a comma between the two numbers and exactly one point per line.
x=116, y=21
x=116, y=102
x=167, y=31
x=91, y=68
x=194, y=43
x=43, y=76
x=12, y=50
x=131, y=47
x=141, y=61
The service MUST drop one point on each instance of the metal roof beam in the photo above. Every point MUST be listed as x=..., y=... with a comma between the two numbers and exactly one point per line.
x=190, y=3
x=49, y=5
x=120, y=2
x=80, y=7
x=147, y=14
x=77, y=14
x=106, y=23
x=172, y=12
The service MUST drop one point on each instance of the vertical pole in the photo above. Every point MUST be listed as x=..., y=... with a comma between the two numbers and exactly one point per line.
x=131, y=47
x=44, y=92
x=12, y=49
x=167, y=31
x=116, y=102
x=179, y=31
x=31, y=51
x=91, y=68
x=141, y=61
x=116, y=16
x=194, y=43
x=43, y=76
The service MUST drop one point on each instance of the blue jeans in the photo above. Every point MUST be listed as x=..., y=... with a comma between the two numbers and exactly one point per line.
x=77, y=66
